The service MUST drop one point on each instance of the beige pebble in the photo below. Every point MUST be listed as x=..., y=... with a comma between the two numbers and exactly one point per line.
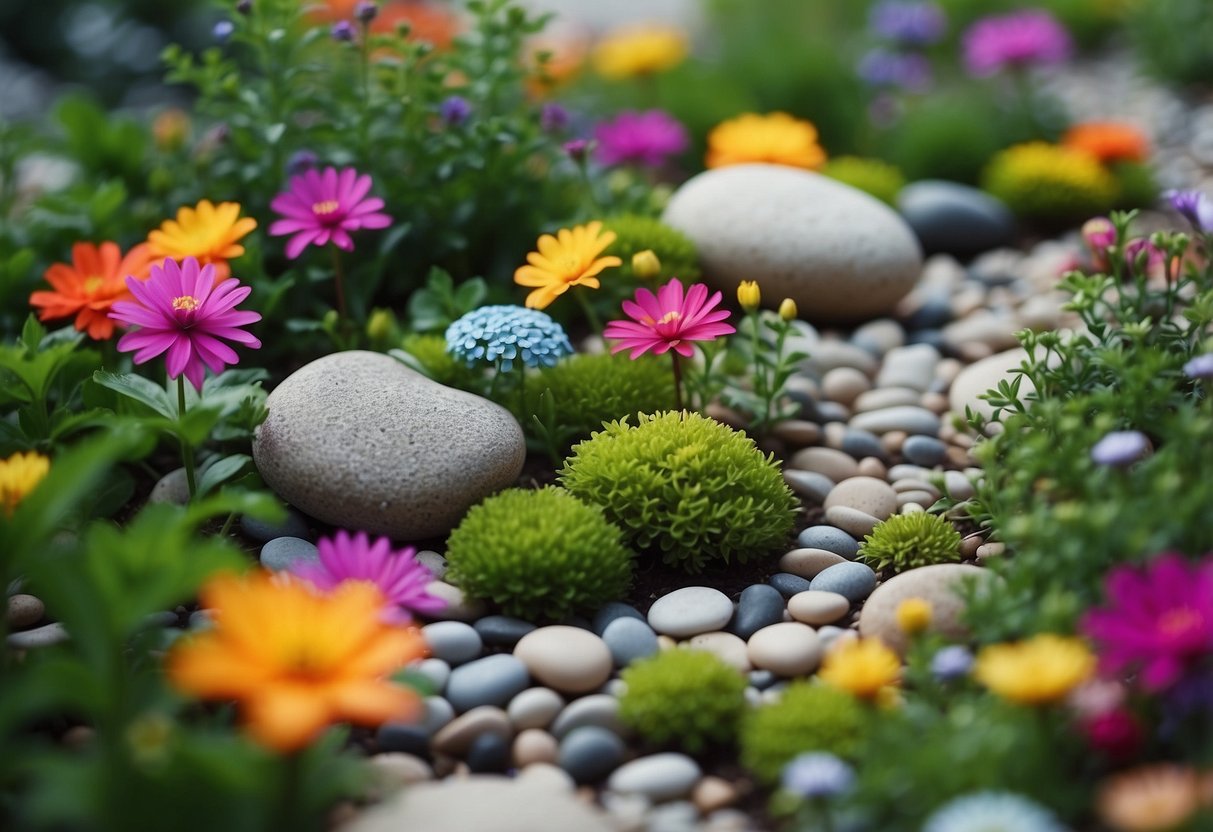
x=921, y=498
x=912, y=508
x=790, y=649
x=991, y=550
x=934, y=402
x=947, y=369
x=24, y=611
x=883, y=397
x=397, y=769
x=970, y=545
x=870, y=466
x=844, y=384
x=712, y=793
x=456, y=737
x=972, y=351
x=534, y=708
x=808, y=563
x=666, y=643
x=870, y=495
x=893, y=440
x=446, y=765
x=833, y=434
x=947, y=431
x=963, y=440
x=458, y=607
x=817, y=608
x=912, y=484
x=852, y=521
x=726, y=416
x=534, y=746
x=727, y=647
x=566, y=659
x=829, y=462
x=546, y=775
x=798, y=433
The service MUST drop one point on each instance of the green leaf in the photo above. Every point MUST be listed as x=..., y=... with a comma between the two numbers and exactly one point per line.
x=139, y=389
x=220, y=471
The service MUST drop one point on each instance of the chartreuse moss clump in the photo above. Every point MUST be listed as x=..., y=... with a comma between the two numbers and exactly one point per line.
x=1050, y=183
x=635, y=233
x=684, y=486
x=808, y=717
x=872, y=176
x=587, y=390
x=539, y=554
x=906, y=541
x=682, y=697
x=430, y=357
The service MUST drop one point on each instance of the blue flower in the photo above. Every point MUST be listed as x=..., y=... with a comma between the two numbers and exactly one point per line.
x=365, y=11
x=500, y=334
x=992, y=812
x=818, y=774
x=951, y=662
x=908, y=22
x=1200, y=367
x=455, y=110
x=342, y=31
x=223, y=30
x=1120, y=448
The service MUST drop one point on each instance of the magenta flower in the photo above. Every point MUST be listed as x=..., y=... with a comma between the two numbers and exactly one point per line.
x=669, y=321
x=325, y=206
x=399, y=576
x=1159, y=619
x=1029, y=37
x=649, y=138
x=180, y=310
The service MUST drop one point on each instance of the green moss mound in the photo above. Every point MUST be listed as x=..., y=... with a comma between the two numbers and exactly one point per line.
x=682, y=697
x=683, y=485
x=1050, y=183
x=539, y=554
x=431, y=358
x=872, y=176
x=809, y=717
x=906, y=541
x=635, y=233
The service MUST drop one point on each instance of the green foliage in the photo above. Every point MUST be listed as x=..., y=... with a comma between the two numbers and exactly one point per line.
x=808, y=717
x=636, y=233
x=439, y=304
x=767, y=366
x=1171, y=37
x=945, y=136
x=1049, y=183
x=539, y=554
x=905, y=541
x=686, y=487
x=683, y=697
x=427, y=354
x=872, y=176
x=1135, y=185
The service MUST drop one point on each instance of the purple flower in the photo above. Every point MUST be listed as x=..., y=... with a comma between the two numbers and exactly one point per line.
x=300, y=161
x=365, y=11
x=1020, y=39
x=553, y=118
x=223, y=30
x=1120, y=448
x=882, y=68
x=908, y=22
x=647, y=138
x=455, y=110
x=817, y=774
x=1200, y=367
x=397, y=574
x=321, y=207
x=1158, y=620
x=342, y=31
x=1193, y=206
x=577, y=149
x=244, y=6
x=951, y=662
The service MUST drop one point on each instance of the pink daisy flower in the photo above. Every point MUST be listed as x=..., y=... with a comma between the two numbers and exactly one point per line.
x=324, y=206
x=669, y=320
x=1029, y=37
x=1158, y=621
x=649, y=138
x=397, y=574
x=180, y=310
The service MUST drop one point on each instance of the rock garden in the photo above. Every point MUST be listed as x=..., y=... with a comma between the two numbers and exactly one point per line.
x=450, y=416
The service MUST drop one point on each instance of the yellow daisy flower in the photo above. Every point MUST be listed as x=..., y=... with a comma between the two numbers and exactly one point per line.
x=1039, y=671
x=913, y=615
x=206, y=231
x=19, y=475
x=568, y=259
x=862, y=667
x=643, y=50
x=776, y=138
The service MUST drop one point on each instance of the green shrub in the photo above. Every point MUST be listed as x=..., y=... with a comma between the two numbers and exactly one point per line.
x=944, y=137
x=635, y=233
x=1050, y=183
x=688, y=698
x=1135, y=185
x=431, y=358
x=809, y=717
x=539, y=554
x=905, y=541
x=872, y=176
x=683, y=485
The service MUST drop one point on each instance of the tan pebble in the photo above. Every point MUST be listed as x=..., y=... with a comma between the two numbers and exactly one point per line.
x=829, y=462
x=567, y=659
x=534, y=746
x=727, y=647
x=445, y=765
x=666, y=643
x=972, y=351
x=456, y=737
x=911, y=484
x=807, y=563
x=883, y=397
x=534, y=708
x=78, y=736
x=815, y=607
x=947, y=431
x=947, y=369
x=963, y=440
x=458, y=608
x=912, y=508
x=833, y=434
x=870, y=495
x=398, y=769
x=726, y=416
x=935, y=402
x=970, y=545
x=790, y=649
x=991, y=550
x=852, y=521
x=24, y=611
x=893, y=440
x=922, y=498
x=870, y=466
x=798, y=433
x=844, y=384
x=548, y=775
x=586, y=795
x=712, y=793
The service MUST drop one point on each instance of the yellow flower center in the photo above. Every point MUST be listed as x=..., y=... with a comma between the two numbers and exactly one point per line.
x=93, y=283
x=324, y=207
x=187, y=303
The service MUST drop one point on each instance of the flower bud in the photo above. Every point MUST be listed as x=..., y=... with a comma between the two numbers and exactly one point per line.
x=787, y=309
x=342, y=31
x=222, y=31
x=244, y=6
x=913, y=615
x=749, y=295
x=366, y=11
x=170, y=130
x=578, y=150
x=646, y=265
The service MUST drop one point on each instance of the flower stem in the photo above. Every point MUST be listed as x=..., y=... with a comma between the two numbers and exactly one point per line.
x=187, y=453
x=339, y=283
x=288, y=814
x=590, y=315
x=677, y=381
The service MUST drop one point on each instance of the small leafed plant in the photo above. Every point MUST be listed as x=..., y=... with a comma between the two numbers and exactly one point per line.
x=683, y=697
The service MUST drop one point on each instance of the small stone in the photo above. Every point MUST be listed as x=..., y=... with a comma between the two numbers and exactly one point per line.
x=24, y=611
x=912, y=367
x=829, y=462
x=830, y=634
x=45, y=636
x=689, y=611
x=758, y=606
x=856, y=522
x=809, y=484
x=590, y=753
x=659, y=777
x=501, y=630
x=404, y=737
x=870, y=466
x=829, y=412
x=282, y=552
x=991, y=550
x=493, y=680
x=534, y=746
x=629, y=639
x=725, y=646
x=984, y=375
x=436, y=671
x=885, y=397
x=397, y=769
x=861, y=444
x=924, y=450
x=866, y=494
x=831, y=539
x=548, y=776
x=489, y=753
x=879, y=336
x=762, y=679
x=611, y=611
x=911, y=419
x=797, y=432
x=922, y=499
x=452, y=641
x=173, y=488
x=600, y=709
x=457, y=736
x=955, y=219
x=808, y=563
x=438, y=712
x=568, y=659
x=713, y=793
x=789, y=649
x=937, y=584
x=844, y=385
x=788, y=584
x=201, y=620
x=434, y=562
x=458, y=607
x=295, y=525
x=534, y=708
x=818, y=608
x=679, y=816
x=854, y=581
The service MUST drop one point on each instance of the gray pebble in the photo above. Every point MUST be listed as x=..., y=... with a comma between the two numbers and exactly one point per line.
x=855, y=581
x=659, y=777
x=862, y=443
x=404, y=736
x=680, y=816
x=689, y=611
x=810, y=484
x=534, y=708
x=438, y=712
x=629, y=639
x=924, y=450
x=293, y=526
x=44, y=636
x=904, y=471
x=501, y=630
x=830, y=538
x=599, y=709
x=590, y=753
x=828, y=411
x=760, y=605
x=452, y=641
x=788, y=584
x=173, y=488
x=908, y=418
x=762, y=679
x=434, y=562
x=24, y=611
x=281, y=552
x=436, y=671
x=612, y=611
x=493, y=680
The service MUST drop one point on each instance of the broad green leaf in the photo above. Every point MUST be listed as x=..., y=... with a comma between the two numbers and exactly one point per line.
x=139, y=389
x=220, y=471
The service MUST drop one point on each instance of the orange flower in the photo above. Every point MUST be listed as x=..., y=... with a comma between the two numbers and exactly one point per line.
x=295, y=659
x=206, y=232
x=1109, y=141
x=89, y=286
x=552, y=61
x=774, y=138
x=427, y=22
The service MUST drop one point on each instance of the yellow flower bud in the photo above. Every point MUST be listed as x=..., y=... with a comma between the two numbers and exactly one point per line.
x=380, y=325
x=913, y=615
x=645, y=264
x=749, y=295
x=787, y=309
